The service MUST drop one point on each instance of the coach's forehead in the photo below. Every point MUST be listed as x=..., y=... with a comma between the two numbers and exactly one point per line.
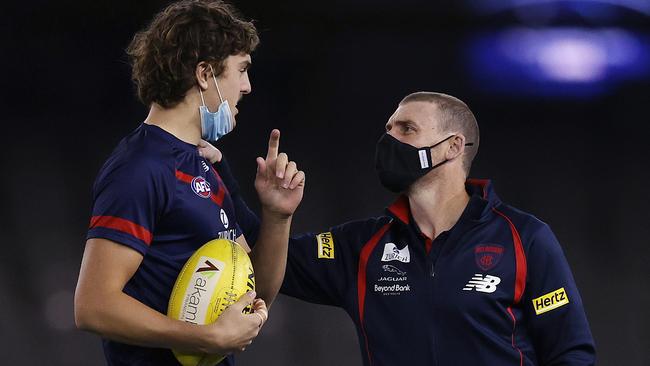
x=425, y=114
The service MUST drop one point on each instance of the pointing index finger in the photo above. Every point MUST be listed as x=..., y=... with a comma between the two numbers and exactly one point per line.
x=274, y=143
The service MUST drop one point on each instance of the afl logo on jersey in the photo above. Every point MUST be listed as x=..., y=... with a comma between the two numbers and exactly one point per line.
x=201, y=187
x=224, y=218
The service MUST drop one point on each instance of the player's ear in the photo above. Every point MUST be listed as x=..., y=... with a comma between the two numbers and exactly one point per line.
x=202, y=74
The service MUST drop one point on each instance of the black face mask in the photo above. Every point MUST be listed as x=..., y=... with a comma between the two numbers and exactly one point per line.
x=399, y=165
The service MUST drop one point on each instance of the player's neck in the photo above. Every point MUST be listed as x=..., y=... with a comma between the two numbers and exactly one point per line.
x=437, y=206
x=182, y=120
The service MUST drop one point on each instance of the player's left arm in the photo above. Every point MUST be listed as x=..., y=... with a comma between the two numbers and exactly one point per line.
x=553, y=307
x=247, y=220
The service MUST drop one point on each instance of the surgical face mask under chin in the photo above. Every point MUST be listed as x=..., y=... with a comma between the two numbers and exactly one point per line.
x=215, y=125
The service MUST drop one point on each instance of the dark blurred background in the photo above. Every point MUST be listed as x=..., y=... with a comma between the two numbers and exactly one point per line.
x=561, y=91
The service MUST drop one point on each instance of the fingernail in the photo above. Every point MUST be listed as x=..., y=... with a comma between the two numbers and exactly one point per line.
x=252, y=294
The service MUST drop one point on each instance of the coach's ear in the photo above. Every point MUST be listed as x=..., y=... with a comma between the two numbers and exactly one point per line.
x=202, y=73
x=456, y=146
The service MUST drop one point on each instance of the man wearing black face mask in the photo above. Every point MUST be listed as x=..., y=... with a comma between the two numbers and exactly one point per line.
x=450, y=275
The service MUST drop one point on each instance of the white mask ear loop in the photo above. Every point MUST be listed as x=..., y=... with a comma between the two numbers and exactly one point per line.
x=215, y=83
x=201, y=92
x=202, y=100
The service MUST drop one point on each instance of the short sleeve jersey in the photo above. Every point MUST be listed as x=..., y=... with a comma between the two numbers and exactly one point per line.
x=156, y=195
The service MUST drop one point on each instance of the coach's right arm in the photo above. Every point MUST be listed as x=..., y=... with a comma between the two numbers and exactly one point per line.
x=321, y=268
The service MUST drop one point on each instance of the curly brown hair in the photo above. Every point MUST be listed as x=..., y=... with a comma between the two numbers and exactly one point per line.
x=164, y=55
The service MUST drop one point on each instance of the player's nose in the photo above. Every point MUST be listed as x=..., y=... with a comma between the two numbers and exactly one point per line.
x=246, y=87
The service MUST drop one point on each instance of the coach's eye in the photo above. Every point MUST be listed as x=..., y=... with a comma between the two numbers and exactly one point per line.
x=407, y=129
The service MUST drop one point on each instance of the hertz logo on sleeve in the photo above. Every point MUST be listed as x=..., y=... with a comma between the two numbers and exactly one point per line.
x=550, y=301
x=325, y=245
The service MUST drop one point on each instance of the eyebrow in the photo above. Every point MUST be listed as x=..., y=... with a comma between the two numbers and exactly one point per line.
x=406, y=122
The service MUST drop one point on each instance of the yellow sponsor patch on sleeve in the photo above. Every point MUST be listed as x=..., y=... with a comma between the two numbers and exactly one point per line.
x=550, y=301
x=325, y=245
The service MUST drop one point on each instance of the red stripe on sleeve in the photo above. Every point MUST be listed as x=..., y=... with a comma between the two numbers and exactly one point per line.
x=520, y=259
x=125, y=226
x=361, y=278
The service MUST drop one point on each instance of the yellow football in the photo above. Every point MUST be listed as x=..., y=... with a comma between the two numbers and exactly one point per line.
x=214, y=277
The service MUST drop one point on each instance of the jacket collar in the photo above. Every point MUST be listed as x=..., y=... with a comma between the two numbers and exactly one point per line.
x=482, y=200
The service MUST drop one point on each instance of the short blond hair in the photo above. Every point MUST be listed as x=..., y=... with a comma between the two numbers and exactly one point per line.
x=455, y=116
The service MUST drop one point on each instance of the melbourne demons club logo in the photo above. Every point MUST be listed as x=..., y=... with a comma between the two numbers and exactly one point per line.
x=488, y=255
x=201, y=187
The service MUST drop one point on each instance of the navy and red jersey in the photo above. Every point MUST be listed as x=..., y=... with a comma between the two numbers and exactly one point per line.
x=496, y=289
x=156, y=195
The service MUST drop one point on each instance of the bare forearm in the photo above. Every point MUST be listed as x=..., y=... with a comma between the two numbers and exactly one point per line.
x=269, y=255
x=124, y=319
x=102, y=307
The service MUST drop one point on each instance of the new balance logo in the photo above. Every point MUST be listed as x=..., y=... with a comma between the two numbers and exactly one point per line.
x=482, y=284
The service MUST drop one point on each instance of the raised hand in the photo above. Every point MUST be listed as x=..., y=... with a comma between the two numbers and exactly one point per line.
x=279, y=183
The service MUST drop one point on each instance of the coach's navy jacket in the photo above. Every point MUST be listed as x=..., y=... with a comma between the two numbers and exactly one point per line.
x=496, y=289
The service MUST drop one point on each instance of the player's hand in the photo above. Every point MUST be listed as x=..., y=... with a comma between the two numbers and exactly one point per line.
x=234, y=330
x=278, y=182
x=209, y=152
x=260, y=309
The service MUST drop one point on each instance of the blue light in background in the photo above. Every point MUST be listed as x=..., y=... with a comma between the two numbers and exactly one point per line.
x=557, y=61
x=493, y=6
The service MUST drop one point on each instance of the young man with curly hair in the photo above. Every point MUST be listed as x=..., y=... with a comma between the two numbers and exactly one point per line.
x=157, y=199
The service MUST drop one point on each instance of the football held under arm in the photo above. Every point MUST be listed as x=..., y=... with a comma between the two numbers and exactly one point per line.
x=103, y=308
x=121, y=231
